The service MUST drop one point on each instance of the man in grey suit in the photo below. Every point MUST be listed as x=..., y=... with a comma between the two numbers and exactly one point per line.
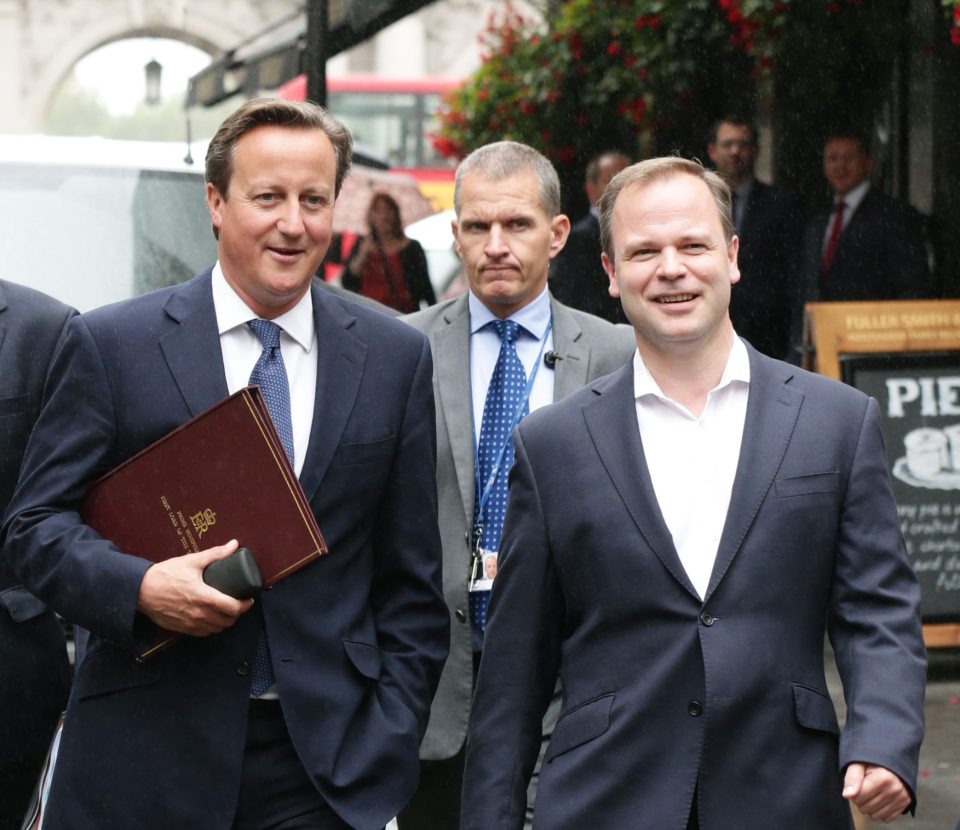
x=36, y=674
x=508, y=228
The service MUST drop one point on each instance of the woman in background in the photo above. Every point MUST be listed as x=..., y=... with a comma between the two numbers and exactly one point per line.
x=387, y=266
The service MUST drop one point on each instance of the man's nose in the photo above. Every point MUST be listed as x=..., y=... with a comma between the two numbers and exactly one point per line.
x=290, y=222
x=671, y=264
x=496, y=244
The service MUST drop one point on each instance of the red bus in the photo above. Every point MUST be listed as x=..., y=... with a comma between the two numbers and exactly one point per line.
x=393, y=117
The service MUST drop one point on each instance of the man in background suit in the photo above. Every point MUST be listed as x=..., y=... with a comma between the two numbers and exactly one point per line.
x=678, y=534
x=306, y=709
x=867, y=246
x=508, y=228
x=769, y=223
x=577, y=279
x=36, y=673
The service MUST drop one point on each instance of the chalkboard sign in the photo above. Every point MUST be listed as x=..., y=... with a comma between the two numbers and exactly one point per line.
x=919, y=397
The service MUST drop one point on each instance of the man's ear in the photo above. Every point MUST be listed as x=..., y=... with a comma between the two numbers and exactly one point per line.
x=608, y=266
x=215, y=206
x=559, y=231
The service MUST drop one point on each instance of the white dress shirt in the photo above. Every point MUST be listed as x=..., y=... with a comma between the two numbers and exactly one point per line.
x=693, y=461
x=485, y=349
x=298, y=344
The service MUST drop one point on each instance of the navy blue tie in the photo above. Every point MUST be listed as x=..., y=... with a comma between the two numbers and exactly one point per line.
x=271, y=376
x=504, y=397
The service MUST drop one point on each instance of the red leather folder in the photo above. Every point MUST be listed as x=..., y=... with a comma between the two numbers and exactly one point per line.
x=222, y=475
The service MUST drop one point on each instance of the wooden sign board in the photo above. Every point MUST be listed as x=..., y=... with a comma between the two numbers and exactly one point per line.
x=906, y=354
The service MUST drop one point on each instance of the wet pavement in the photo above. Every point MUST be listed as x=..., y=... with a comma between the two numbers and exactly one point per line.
x=938, y=788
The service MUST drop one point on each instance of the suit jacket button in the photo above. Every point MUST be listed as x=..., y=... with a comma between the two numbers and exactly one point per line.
x=461, y=617
x=694, y=708
x=243, y=668
x=707, y=618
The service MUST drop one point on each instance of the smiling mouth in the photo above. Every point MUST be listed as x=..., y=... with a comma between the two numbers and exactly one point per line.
x=286, y=251
x=675, y=298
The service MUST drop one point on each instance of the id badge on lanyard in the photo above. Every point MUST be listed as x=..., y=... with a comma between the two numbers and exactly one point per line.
x=483, y=569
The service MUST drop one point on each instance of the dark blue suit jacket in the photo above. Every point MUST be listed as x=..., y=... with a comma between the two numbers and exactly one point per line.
x=577, y=278
x=35, y=674
x=358, y=637
x=665, y=693
x=770, y=234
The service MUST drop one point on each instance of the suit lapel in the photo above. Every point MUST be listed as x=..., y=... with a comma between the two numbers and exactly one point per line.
x=772, y=410
x=340, y=360
x=192, y=347
x=611, y=420
x=3, y=307
x=450, y=342
x=568, y=342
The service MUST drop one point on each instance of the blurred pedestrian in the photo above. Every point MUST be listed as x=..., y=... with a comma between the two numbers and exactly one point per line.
x=387, y=266
x=577, y=278
x=769, y=223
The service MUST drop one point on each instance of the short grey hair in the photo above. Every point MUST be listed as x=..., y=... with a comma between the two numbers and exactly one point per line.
x=497, y=161
x=657, y=170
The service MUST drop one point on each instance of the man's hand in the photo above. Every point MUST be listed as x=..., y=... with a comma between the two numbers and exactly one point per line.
x=878, y=793
x=174, y=595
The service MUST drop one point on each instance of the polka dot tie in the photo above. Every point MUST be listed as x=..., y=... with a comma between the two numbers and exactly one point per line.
x=271, y=376
x=504, y=396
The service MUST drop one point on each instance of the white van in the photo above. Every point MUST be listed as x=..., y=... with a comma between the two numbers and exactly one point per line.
x=93, y=220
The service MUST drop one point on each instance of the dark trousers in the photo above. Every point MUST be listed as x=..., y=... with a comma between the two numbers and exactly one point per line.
x=275, y=791
x=436, y=803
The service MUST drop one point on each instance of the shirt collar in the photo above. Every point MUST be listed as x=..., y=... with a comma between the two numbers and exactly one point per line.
x=233, y=312
x=853, y=199
x=533, y=317
x=736, y=369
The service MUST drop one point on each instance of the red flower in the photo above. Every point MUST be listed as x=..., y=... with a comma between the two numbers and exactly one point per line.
x=527, y=107
x=955, y=37
x=566, y=155
x=629, y=61
x=613, y=48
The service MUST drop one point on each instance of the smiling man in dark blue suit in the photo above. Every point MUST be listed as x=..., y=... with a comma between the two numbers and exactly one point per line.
x=354, y=642
x=678, y=536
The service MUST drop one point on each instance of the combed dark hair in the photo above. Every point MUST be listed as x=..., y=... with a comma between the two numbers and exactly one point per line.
x=658, y=170
x=277, y=112
x=736, y=121
x=497, y=161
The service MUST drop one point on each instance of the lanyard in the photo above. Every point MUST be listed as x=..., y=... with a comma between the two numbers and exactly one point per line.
x=492, y=478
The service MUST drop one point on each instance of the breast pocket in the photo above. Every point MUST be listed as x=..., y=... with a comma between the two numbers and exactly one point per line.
x=14, y=405
x=365, y=452
x=807, y=485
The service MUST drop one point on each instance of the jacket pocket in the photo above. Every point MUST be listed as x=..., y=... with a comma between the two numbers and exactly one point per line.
x=815, y=710
x=581, y=724
x=348, y=455
x=106, y=668
x=21, y=605
x=14, y=405
x=366, y=658
x=807, y=485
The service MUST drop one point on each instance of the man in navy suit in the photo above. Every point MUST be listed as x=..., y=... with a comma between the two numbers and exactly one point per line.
x=866, y=246
x=576, y=275
x=769, y=223
x=678, y=536
x=353, y=643
x=36, y=672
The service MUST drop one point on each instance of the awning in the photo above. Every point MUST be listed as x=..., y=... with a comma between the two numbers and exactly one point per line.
x=278, y=53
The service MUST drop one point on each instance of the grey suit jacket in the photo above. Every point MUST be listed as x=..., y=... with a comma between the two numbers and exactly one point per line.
x=589, y=348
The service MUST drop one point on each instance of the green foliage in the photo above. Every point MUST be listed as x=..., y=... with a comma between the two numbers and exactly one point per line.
x=607, y=73
x=650, y=76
